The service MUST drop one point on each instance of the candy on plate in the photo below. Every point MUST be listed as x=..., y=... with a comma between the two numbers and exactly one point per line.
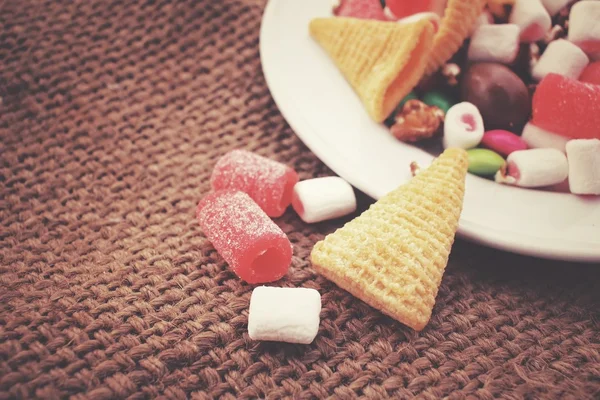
x=534, y=168
x=495, y=43
x=503, y=142
x=394, y=254
x=363, y=9
x=269, y=183
x=561, y=57
x=591, y=73
x=463, y=126
x=532, y=18
x=255, y=248
x=284, y=314
x=584, y=166
x=538, y=138
x=584, y=27
x=398, y=52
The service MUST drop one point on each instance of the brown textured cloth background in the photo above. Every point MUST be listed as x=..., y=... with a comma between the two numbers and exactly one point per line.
x=112, y=116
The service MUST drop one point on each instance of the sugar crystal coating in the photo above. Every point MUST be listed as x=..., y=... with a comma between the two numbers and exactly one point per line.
x=253, y=245
x=269, y=183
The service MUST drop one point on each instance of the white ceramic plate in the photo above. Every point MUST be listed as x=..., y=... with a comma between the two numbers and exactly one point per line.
x=326, y=114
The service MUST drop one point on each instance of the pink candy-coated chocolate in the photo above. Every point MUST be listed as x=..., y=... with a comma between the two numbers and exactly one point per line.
x=591, y=73
x=363, y=9
x=503, y=142
x=269, y=183
x=255, y=248
x=567, y=107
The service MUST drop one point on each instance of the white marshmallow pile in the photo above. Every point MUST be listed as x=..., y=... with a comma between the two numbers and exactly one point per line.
x=561, y=57
x=534, y=168
x=320, y=199
x=538, y=138
x=495, y=43
x=463, y=126
x=532, y=19
x=584, y=166
x=554, y=6
x=284, y=314
x=584, y=27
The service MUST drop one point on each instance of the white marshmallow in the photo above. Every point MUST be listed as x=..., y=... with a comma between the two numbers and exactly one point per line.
x=554, y=6
x=561, y=57
x=463, y=126
x=485, y=18
x=431, y=16
x=532, y=18
x=284, y=314
x=320, y=199
x=584, y=27
x=538, y=138
x=584, y=166
x=534, y=168
x=495, y=43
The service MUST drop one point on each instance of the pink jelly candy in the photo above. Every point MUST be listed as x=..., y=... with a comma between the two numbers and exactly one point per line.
x=503, y=142
x=591, y=73
x=363, y=9
x=567, y=107
x=252, y=244
x=269, y=183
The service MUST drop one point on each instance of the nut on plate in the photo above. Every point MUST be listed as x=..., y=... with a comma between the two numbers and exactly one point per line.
x=417, y=121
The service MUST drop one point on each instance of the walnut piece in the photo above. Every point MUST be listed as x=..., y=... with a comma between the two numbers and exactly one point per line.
x=417, y=121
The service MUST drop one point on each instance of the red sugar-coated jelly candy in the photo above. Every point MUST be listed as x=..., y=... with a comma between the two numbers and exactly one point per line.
x=255, y=248
x=591, y=73
x=405, y=8
x=269, y=183
x=363, y=9
x=567, y=107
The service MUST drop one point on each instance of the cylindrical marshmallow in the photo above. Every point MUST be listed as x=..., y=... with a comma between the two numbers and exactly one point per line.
x=485, y=18
x=532, y=18
x=538, y=138
x=584, y=166
x=284, y=314
x=268, y=182
x=320, y=199
x=463, y=126
x=561, y=57
x=554, y=6
x=534, y=168
x=495, y=43
x=584, y=26
x=255, y=248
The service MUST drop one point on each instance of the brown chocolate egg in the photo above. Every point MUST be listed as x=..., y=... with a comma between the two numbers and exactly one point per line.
x=500, y=95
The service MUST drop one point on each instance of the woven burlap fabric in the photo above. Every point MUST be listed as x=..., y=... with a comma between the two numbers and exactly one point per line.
x=112, y=116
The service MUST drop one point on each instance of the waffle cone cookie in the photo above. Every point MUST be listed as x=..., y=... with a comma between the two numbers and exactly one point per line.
x=457, y=23
x=393, y=255
x=383, y=61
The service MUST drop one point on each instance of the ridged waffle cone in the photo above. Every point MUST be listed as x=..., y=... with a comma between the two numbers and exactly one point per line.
x=458, y=21
x=393, y=255
x=383, y=61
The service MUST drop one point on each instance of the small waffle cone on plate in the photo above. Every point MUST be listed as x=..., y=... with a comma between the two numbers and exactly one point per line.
x=383, y=61
x=457, y=23
x=393, y=255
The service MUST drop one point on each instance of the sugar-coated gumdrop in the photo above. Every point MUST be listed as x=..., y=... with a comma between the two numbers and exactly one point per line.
x=591, y=73
x=269, y=183
x=255, y=248
x=363, y=9
x=567, y=107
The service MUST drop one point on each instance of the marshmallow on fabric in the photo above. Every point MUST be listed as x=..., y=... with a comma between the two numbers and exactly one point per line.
x=320, y=199
x=584, y=27
x=561, y=57
x=463, y=126
x=538, y=138
x=532, y=18
x=584, y=166
x=534, y=168
x=495, y=43
x=554, y=6
x=284, y=314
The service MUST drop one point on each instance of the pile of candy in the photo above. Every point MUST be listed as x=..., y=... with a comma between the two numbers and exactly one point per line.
x=369, y=256
x=522, y=94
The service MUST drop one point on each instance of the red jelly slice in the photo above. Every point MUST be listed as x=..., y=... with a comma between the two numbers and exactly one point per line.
x=591, y=73
x=363, y=9
x=255, y=248
x=567, y=107
x=405, y=8
x=269, y=183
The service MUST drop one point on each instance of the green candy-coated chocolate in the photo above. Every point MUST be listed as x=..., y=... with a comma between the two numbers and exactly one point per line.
x=438, y=99
x=484, y=162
